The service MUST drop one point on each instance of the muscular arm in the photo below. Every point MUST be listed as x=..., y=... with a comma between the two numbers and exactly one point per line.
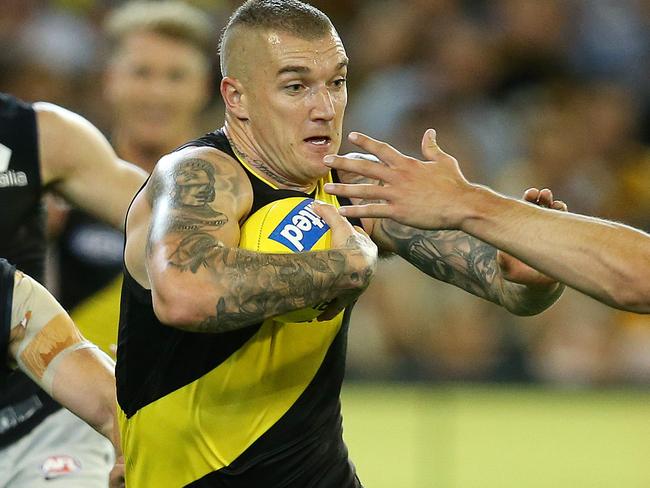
x=201, y=280
x=452, y=256
x=464, y=261
x=48, y=347
x=78, y=163
x=606, y=260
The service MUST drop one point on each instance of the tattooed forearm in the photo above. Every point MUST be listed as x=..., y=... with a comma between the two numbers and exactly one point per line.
x=264, y=285
x=195, y=229
x=466, y=262
x=450, y=256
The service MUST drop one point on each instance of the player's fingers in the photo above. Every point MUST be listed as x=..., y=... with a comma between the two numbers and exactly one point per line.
x=531, y=195
x=359, y=190
x=370, y=210
x=358, y=166
x=560, y=205
x=545, y=198
x=331, y=216
x=430, y=148
x=385, y=152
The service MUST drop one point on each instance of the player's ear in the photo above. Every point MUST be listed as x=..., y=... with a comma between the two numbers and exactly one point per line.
x=232, y=92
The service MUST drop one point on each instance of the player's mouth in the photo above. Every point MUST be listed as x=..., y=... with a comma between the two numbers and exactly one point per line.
x=319, y=142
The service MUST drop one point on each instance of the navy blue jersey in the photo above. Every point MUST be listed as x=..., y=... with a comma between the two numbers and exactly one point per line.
x=23, y=405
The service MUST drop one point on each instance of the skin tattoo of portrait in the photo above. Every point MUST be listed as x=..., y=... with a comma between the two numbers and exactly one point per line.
x=450, y=256
x=193, y=193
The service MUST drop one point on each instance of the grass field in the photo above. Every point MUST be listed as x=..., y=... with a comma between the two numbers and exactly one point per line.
x=444, y=437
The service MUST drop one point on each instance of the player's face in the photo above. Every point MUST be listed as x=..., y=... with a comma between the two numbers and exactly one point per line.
x=296, y=99
x=157, y=86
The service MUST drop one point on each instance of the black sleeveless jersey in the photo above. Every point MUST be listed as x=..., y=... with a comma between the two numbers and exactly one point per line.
x=255, y=407
x=23, y=405
x=7, y=272
x=22, y=216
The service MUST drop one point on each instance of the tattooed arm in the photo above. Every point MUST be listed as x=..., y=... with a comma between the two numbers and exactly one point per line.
x=202, y=281
x=448, y=255
x=464, y=261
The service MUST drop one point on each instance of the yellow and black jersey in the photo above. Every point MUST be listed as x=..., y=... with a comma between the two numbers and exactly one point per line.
x=256, y=407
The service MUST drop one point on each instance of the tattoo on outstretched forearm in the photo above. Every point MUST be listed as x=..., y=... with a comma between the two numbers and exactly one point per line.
x=451, y=256
x=464, y=261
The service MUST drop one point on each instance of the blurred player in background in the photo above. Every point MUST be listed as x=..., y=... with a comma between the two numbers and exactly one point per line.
x=43, y=146
x=38, y=337
x=157, y=82
x=605, y=260
x=256, y=402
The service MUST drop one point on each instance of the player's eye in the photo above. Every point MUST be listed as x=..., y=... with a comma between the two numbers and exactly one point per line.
x=294, y=88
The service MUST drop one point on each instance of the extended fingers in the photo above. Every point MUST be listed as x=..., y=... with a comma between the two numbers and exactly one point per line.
x=370, y=210
x=559, y=205
x=358, y=166
x=385, y=152
x=430, y=148
x=531, y=195
x=358, y=190
x=544, y=198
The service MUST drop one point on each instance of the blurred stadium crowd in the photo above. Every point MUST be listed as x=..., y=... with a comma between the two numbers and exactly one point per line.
x=545, y=93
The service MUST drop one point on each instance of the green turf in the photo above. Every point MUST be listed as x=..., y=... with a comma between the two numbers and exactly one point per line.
x=421, y=437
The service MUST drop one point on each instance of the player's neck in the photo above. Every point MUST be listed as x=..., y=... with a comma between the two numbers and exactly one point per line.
x=247, y=152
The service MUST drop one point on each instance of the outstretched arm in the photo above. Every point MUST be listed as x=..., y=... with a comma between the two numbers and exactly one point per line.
x=606, y=260
x=436, y=248
x=79, y=164
x=202, y=281
x=469, y=263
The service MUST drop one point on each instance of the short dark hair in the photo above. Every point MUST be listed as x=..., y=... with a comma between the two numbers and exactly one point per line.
x=291, y=16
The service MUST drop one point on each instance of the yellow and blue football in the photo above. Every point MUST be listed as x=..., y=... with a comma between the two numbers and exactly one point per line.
x=289, y=225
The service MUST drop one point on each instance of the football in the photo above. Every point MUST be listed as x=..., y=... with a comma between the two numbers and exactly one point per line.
x=287, y=226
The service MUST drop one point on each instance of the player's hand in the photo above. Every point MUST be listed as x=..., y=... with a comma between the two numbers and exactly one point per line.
x=517, y=271
x=116, y=476
x=359, y=265
x=424, y=194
